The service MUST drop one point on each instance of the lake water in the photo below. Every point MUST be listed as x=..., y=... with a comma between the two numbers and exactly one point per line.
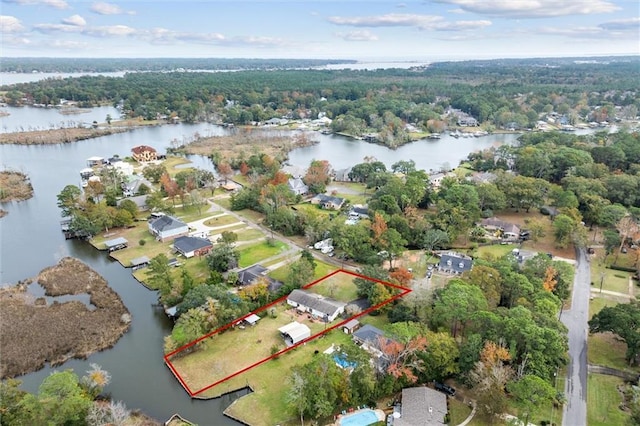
x=31, y=240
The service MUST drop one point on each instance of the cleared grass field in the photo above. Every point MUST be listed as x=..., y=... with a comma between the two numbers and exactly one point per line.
x=339, y=287
x=220, y=220
x=603, y=400
x=613, y=280
x=256, y=252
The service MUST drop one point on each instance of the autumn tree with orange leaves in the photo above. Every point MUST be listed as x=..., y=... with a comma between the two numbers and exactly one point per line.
x=402, y=358
x=490, y=375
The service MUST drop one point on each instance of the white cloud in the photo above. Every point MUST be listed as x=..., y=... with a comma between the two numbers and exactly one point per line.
x=534, y=8
x=401, y=5
x=631, y=24
x=67, y=44
x=111, y=30
x=16, y=41
x=102, y=8
x=10, y=24
x=58, y=4
x=57, y=28
x=75, y=20
x=461, y=25
x=363, y=35
x=423, y=22
x=456, y=11
x=388, y=20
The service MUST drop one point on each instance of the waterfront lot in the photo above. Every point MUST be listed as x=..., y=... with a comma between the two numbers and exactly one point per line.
x=238, y=347
x=235, y=349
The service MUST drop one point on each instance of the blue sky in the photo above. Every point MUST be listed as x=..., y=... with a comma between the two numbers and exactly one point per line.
x=347, y=29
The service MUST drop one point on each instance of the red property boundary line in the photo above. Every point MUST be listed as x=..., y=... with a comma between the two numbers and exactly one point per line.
x=403, y=291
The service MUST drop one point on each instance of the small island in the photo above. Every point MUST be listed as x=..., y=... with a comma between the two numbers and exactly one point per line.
x=36, y=330
x=14, y=186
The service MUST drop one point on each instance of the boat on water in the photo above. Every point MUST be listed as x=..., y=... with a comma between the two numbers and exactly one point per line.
x=434, y=136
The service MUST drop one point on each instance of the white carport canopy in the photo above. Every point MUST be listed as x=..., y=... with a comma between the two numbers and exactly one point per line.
x=296, y=331
x=252, y=319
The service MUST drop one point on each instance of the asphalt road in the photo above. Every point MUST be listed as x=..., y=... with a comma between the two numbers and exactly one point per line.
x=576, y=318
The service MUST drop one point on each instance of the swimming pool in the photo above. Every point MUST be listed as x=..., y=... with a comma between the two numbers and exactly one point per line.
x=360, y=418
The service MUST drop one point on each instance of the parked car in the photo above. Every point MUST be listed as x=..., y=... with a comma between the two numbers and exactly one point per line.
x=445, y=389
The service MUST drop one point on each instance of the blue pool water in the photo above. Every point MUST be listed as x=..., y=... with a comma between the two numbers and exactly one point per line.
x=342, y=362
x=361, y=418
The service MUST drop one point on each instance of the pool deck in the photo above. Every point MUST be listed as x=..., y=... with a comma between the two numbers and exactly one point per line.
x=379, y=413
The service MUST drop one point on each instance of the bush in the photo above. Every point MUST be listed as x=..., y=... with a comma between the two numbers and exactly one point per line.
x=621, y=268
x=142, y=242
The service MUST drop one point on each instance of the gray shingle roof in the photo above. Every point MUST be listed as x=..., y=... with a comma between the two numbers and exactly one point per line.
x=166, y=223
x=422, y=406
x=455, y=262
x=315, y=301
x=189, y=244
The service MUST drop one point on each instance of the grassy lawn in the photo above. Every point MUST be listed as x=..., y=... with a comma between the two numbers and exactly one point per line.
x=232, y=350
x=191, y=213
x=607, y=349
x=257, y=252
x=494, y=251
x=617, y=281
x=223, y=202
x=248, y=234
x=603, y=400
x=151, y=248
x=321, y=270
x=220, y=220
x=339, y=287
x=171, y=162
x=458, y=411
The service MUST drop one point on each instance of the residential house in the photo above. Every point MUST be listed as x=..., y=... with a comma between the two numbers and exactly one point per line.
x=317, y=305
x=328, y=202
x=508, y=231
x=422, y=406
x=297, y=186
x=455, y=263
x=359, y=211
x=342, y=175
x=123, y=167
x=372, y=340
x=192, y=246
x=293, y=171
x=144, y=153
x=134, y=184
x=251, y=274
x=437, y=178
x=166, y=228
x=482, y=177
x=139, y=200
x=467, y=121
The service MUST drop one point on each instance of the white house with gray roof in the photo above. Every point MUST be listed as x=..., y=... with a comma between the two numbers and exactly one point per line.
x=166, y=228
x=317, y=305
x=422, y=406
x=455, y=263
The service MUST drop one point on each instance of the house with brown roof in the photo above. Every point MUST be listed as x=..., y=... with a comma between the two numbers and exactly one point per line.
x=144, y=153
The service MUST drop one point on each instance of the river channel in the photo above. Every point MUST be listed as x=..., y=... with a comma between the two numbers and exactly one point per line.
x=31, y=240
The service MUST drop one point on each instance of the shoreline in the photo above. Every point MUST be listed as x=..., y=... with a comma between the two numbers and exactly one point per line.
x=71, y=134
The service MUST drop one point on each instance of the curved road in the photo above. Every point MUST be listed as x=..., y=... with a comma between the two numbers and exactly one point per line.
x=576, y=319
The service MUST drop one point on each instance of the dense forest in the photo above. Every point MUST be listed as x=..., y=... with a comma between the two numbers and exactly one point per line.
x=508, y=94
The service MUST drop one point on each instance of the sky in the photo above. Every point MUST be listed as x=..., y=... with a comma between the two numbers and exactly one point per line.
x=424, y=30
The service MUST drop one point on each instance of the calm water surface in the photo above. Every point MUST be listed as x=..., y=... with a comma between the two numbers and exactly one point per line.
x=31, y=240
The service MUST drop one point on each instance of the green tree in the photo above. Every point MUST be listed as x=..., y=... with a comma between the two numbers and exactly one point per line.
x=622, y=319
x=563, y=229
x=456, y=303
x=222, y=258
x=531, y=392
x=153, y=172
x=440, y=357
x=69, y=200
x=160, y=274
